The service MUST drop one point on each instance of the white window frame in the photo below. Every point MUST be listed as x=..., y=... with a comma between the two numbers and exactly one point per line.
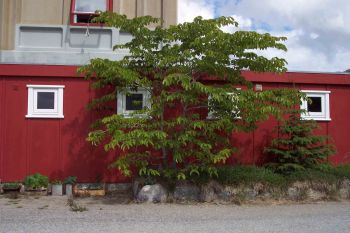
x=324, y=115
x=210, y=115
x=74, y=12
x=121, y=102
x=34, y=112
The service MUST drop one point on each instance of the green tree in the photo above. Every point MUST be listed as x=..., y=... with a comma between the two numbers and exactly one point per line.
x=174, y=65
x=297, y=147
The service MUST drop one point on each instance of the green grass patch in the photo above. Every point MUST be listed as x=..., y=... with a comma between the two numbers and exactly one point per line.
x=249, y=175
x=236, y=175
x=342, y=171
x=312, y=175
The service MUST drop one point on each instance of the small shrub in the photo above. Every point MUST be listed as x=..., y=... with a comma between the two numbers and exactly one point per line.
x=248, y=175
x=297, y=147
x=36, y=181
x=70, y=180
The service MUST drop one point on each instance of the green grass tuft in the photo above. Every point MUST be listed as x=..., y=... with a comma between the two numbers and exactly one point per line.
x=249, y=175
x=236, y=175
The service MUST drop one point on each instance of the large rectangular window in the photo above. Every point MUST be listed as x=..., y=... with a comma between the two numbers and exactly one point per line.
x=83, y=11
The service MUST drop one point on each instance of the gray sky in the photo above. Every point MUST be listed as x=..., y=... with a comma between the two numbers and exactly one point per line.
x=318, y=31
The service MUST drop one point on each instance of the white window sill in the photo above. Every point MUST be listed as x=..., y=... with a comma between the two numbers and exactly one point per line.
x=216, y=118
x=316, y=119
x=130, y=115
x=45, y=116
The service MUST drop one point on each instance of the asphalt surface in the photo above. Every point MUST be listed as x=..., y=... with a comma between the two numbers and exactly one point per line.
x=51, y=214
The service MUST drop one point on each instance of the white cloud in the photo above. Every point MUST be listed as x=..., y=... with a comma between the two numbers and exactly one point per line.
x=243, y=24
x=314, y=35
x=189, y=9
x=318, y=31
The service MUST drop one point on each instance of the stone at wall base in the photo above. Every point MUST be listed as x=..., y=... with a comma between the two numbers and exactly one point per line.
x=152, y=194
x=185, y=191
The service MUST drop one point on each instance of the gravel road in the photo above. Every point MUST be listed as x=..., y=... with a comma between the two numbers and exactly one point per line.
x=51, y=214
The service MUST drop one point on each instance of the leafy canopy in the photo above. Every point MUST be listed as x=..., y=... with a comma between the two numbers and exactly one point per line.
x=181, y=67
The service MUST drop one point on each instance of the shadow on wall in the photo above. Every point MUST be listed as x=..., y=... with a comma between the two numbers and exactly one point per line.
x=265, y=136
x=88, y=163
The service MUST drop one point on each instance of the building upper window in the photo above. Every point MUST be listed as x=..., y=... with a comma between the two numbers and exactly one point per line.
x=317, y=105
x=45, y=101
x=83, y=11
x=131, y=101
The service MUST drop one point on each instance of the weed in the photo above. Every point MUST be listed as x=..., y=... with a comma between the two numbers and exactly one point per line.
x=74, y=206
x=43, y=207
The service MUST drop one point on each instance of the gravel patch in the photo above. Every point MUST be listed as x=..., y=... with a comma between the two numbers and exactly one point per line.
x=51, y=214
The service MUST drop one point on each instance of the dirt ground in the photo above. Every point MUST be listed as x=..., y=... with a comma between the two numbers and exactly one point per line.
x=33, y=213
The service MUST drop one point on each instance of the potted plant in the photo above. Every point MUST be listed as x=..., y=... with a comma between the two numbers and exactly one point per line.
x=11, y=187
x=89, y=189
x=56, y=188
x=36, y=182
x=69, y=182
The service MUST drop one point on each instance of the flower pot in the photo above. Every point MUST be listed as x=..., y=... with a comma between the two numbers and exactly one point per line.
x=11, y=189
x=69, y=189
x=57, y=190
x=89, y=190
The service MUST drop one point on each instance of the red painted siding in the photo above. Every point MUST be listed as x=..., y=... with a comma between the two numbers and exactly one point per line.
x=54, y=147
x=58, y=147
x=339, y=127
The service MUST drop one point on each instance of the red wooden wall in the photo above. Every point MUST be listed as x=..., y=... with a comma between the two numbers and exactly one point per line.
x=57, y=147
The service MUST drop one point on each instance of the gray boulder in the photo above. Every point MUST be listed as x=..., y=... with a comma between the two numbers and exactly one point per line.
x=211, y=191
x=185, y=191
x=344, y=190
x=152, y=194
x=297, y=194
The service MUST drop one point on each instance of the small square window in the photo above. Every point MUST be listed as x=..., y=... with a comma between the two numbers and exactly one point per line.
x=83, y=11
x=134, y=102
x=131, y=101
x=45, y=101
x=317, y=105
x=233, y=110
